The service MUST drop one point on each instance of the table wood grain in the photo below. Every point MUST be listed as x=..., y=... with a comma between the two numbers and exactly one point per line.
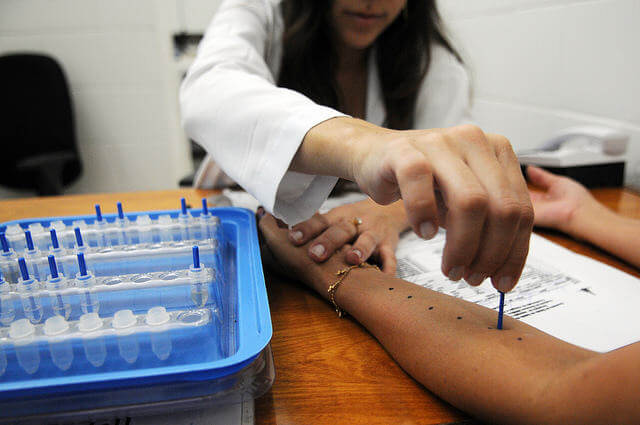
x=328, y=371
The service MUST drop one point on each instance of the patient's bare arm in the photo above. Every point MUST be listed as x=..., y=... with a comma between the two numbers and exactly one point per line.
x=517, y=375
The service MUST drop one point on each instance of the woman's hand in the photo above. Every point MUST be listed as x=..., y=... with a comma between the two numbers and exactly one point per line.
x=558, y=199
x=293, y=261
x=460, y=178
x=377, y=235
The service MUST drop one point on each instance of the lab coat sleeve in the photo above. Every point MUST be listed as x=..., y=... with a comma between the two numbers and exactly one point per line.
x=444, y=99
x=232, y=107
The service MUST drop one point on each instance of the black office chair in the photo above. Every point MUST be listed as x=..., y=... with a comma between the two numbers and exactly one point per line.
x=37, y=133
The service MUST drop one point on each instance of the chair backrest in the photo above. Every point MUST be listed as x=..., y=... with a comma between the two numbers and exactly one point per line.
x=36, y=117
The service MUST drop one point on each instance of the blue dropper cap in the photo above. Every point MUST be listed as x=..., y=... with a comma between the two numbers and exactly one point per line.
x=23, y=269
x=82, y=265
x=5, y=243
x=196, y=257
x=98, y=213
x=205, y=208
x=54, y=239
x=53, y=267
x=78, y=237
x=183, y=206
x=27, y=235
x=120, y=211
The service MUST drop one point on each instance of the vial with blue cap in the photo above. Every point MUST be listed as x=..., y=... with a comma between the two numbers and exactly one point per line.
x=8, y=263
x=198, y=279
x=183, y=220
x=15, y=236
x=210, y=224
x=121, y=224
x=85, y=281
x=55, y=284
x=7, y=309
x=28, y=290
x=56, y=249
x=32, y=254
x=102, y=238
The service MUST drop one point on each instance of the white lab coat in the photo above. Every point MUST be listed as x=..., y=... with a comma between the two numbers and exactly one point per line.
x=252, y=129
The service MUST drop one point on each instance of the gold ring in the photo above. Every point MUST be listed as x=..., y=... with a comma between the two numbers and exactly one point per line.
x=357, y=221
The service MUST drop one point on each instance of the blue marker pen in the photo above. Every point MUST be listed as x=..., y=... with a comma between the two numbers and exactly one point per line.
x=500, y=311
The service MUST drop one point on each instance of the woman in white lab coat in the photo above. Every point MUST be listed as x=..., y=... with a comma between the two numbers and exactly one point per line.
x=278, y=95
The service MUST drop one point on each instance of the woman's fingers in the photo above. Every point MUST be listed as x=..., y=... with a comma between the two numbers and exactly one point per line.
x=506, y=277
x=415, y=180
x=303, y=232
x=333, y=238
x=363, y=248
x=467, y=204
x=503, y=211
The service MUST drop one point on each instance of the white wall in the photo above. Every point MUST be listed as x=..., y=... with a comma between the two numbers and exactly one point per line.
x=541, y=65
x=118, y=57
x=537, y=66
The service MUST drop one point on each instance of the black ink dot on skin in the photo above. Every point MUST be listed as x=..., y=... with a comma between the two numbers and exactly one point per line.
x=410, y=296
x=459, y=317
x=489, y=327
x=431, y=308
x=391, y=289
x=519, y=339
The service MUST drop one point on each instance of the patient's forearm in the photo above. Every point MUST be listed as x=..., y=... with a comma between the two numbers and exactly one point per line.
x=453, y=348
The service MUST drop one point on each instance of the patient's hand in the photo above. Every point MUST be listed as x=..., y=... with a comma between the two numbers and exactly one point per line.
x=294, y=261
x=377, y=235
x=558, y=200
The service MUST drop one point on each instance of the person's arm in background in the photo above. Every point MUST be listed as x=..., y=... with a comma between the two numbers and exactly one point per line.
x=516, y=375
x=565, y=205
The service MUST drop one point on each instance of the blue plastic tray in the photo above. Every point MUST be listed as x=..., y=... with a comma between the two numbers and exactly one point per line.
x=191, y=371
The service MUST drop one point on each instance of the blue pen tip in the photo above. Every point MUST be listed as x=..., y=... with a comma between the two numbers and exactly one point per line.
x=196, y=257
x=23, y=268
x=183, y=205
x=500, y=310
x=98, y=212
x=5, y=243
x=82, y=264
x=54, y=239
x=120, y=211
x=53, y=267
x=78, y=237
x=27, y=235
x=205, y=208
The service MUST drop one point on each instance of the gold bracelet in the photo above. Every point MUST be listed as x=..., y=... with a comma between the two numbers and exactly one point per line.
x=342, y=274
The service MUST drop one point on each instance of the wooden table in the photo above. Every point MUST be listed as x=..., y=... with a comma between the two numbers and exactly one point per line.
x=328, y=371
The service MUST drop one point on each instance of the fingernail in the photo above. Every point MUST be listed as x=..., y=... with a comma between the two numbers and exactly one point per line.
x=427, y=230
x=456, y=273
x=296, y=235
x=358, y=253
x=317, y=250
x=475, y=279
x=505, y=284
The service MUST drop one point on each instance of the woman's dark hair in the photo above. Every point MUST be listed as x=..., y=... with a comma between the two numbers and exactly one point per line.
x=403, y=55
